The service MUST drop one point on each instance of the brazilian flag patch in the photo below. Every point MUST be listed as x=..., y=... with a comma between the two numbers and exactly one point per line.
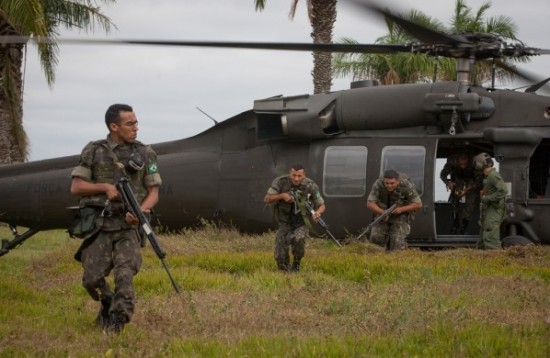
x=152, y=168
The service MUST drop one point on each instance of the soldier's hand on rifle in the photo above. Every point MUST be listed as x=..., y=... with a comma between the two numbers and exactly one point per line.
x=397, y=211
x=111, y=192
x=270, y=198
x=287, y=198
x=381, y=212
x=131, y=219
x=451, y=185
x=316, y=216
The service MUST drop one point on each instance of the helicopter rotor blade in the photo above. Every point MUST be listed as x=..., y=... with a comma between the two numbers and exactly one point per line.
x=311, y=47
x=520, y=73
x=420, y=32
x=477, y=46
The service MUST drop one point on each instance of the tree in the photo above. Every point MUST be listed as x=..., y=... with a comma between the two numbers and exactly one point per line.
x=322, y=15
x=389, y=69
x=408, y=67
x=34, y=18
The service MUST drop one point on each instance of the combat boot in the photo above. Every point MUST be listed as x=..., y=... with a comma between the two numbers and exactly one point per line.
x=118, y=320
x=103, y=319
x=295, y=266
x=284, y=266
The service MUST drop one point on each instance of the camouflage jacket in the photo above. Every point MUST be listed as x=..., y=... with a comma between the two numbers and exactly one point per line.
x=290, y=213
x=405, y=193
x=103, y=161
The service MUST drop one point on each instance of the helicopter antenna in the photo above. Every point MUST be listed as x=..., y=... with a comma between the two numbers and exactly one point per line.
x=536, y=86
x=206, y=114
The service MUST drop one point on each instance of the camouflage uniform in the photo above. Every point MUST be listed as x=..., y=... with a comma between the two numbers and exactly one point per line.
x=492, y=211
x=463, y=205
x=293, y=230
x=115, y=245
x=393, y=232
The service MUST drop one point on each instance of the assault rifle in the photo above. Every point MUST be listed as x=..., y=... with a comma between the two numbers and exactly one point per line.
x=380, y=217
x=311, y=211
x=132, y=205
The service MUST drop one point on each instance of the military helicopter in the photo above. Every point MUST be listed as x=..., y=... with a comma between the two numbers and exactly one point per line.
x=346, y=139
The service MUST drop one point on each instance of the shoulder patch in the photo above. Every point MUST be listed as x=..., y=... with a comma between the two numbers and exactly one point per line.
x=152, y=168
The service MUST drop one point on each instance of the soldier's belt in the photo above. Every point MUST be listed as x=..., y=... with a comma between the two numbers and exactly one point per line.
x=114, y=211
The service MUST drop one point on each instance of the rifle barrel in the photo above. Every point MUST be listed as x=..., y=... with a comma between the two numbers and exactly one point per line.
x=131, y=203
x=320, y=221
x=386, y=213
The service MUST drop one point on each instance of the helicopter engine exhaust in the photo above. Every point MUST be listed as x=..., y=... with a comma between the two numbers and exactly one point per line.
x=448, y=105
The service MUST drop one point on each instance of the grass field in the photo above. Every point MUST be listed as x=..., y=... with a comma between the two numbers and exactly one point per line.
x=355, y=301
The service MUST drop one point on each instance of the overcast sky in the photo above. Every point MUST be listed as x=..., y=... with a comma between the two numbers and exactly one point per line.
x=165, y=85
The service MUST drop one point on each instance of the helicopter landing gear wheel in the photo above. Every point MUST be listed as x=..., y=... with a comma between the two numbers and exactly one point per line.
x=515, y=240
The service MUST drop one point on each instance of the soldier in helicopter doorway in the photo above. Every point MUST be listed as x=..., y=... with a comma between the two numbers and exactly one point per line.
x=464, y=184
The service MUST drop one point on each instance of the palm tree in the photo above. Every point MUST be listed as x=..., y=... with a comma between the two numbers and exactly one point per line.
x=322, y=15
x=408, y=67
x=389, y=69
x=34, y=18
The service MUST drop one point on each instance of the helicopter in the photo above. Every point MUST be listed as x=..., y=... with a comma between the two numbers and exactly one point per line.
x=345, y=139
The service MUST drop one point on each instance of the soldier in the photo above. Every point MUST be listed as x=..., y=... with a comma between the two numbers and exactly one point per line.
x=493, y=203
x=391, y=188
x=115, y=243
x=291, y=215
x=464, y=184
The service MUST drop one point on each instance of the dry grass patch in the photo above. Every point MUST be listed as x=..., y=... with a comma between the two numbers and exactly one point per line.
x=350, y=301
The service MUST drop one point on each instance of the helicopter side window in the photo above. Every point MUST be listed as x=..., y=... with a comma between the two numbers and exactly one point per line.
x=407, y=159
x=345, y=171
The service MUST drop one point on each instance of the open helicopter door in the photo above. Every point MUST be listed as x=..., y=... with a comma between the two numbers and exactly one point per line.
x=453, y=229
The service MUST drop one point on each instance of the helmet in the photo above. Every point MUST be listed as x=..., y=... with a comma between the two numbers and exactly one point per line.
x=481, y=160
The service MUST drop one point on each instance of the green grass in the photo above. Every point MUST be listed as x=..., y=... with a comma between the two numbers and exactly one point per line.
x=355, y=301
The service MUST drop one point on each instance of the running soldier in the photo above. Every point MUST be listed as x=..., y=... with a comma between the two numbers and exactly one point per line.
x=291, y=215
x=393, y=188
x=114, y=245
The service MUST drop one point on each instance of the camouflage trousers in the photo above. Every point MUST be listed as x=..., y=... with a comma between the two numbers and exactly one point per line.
x=489, y=234
x=290, y=238
x=392, y=233
x=118, y=251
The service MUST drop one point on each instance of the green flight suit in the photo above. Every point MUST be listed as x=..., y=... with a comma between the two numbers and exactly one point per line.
x=492, y=211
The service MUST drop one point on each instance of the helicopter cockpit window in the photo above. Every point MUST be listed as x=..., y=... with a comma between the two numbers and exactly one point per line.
x=345, y=170
x=408, y=159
